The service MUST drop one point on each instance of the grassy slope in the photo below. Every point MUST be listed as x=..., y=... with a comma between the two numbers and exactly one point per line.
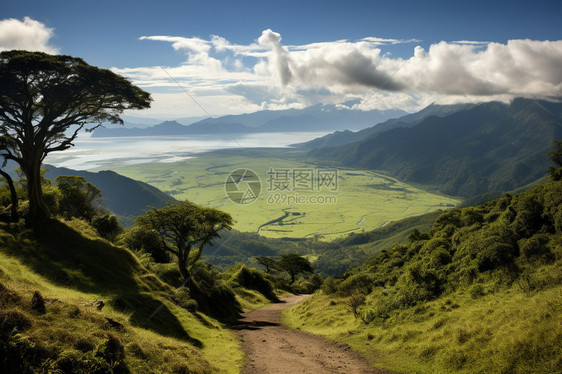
x=365, y=200
x=480, y=295
x=74, y=269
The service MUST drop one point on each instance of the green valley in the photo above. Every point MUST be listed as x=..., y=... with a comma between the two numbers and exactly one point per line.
x=362, y=201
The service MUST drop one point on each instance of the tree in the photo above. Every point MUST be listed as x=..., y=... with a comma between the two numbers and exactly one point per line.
x=267, y=262
x=46, y=100
x=294, y=265
x=79, y=199
x=185, y=228
x=14, y=216
x=556, y=156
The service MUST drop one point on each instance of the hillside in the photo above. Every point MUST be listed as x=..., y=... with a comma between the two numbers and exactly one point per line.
x=487, y=147
x=478, y=293
x=341, y=138
x=123, y=196
x=142, y=327
x=329, y=258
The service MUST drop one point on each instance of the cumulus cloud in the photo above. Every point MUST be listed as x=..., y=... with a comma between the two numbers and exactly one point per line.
x=279, y=58
x=267, y=74
x=28, y=34
x=521, y=67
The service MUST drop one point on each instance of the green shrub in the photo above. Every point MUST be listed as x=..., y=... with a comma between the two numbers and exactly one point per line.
x=330, y=286
x=358, y=283
x=255, y=280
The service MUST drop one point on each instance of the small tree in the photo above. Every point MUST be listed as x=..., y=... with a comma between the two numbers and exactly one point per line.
x=80, y=198
x=295, y=265
x=268, y=263
x=556, y=156
x=46, y=100
x=185, y=229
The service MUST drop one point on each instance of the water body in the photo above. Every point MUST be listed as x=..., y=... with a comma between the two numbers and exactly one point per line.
x=94, y=153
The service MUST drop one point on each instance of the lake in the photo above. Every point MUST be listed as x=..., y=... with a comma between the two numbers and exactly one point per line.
x=95, y=153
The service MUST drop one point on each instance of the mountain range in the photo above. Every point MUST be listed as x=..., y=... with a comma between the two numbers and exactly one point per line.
x=315, y=118
x=462, y=150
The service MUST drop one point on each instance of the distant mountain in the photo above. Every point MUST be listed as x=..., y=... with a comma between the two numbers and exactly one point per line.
x=123, y=196
x=170, y=128
x=340, y=138
x=315, y=118
x=482, y=148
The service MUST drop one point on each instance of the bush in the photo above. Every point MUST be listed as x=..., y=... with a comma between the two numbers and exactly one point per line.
x=182, y=297
x=358, y=283
x=254, y=280
x=107, y=226
x=330, y=286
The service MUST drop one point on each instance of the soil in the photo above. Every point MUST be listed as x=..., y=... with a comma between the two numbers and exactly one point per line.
x=271, y=347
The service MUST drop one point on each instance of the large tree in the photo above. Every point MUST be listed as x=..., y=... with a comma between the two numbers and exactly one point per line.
x=46, y=100
x=184, y=229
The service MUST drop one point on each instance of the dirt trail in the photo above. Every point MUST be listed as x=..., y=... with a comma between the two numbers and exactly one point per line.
x=273, y=348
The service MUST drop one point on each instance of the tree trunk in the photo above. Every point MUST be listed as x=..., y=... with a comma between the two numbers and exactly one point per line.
x=182, y=264
x=38, y=211
x=14, y=216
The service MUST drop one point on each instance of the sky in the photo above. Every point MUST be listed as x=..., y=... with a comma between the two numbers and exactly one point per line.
x=200, y=58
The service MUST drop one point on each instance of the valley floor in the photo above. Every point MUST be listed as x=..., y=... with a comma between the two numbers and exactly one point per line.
x=273, y=348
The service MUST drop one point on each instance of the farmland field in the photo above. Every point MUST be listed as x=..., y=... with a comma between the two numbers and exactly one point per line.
x=326, y=203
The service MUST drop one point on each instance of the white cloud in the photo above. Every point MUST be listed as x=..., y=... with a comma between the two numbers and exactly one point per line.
x=267, y=74
x=28, y=34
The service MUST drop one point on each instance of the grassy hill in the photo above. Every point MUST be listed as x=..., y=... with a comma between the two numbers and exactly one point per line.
x=145, y=326
x=483, y=148
x=478, y=293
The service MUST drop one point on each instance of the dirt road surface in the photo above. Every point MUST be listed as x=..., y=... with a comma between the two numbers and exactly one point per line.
x=273, y=348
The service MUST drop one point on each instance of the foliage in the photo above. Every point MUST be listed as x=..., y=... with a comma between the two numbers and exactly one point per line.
x=79, y=198
x=107, y=226
x=440, y=302
x=46, y=100
x=294, y=265
x=254, y=280
x=141, y=239
x=185, y=229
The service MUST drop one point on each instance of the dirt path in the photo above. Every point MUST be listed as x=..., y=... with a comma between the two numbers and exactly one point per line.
x=273, y=348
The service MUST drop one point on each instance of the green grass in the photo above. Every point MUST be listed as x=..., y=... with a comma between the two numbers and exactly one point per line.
x=75, y=270
x=363, y=201
x=479, y=293
x=506, y=332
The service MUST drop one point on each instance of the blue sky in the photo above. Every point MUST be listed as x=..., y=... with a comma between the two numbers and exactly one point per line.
x=244, y=56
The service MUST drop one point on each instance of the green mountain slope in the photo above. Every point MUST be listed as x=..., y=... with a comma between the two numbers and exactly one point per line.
x=125, y=197
x=487, y=147
x=478, y=293
x=142, y=328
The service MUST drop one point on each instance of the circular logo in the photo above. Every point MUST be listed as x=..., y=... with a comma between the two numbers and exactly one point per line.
x=242, y=186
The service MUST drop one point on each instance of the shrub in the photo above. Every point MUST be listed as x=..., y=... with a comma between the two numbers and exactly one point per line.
x=254, y=280
x=358, y=283
x=330, y=286
x=107, y=226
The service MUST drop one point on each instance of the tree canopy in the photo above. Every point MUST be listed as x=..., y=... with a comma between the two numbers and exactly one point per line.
x=185, y=229
x=46, y=100
x=295, y=265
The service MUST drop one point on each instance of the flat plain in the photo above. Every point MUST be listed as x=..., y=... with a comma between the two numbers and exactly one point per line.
x=297, y=198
